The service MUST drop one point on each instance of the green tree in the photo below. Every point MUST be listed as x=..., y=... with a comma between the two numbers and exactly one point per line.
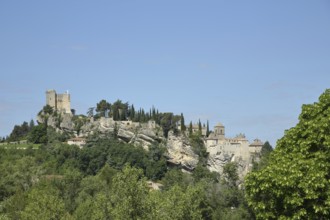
x=199, y=126
x=47, y=109
x=167, y=123
x=43, y=204
x=230, y=173
x=90, y=112
x=115, y=130
x=69, y=187
x=102, y=107
x=14, y=205
x=190, y=128
x=264, y=156
x=129, y=192
x=207, y=129
x=176, y=177
x=182, y=124
x=19, y=132
x=177, y=203
x=78, y=122
x=295, y=183
x=199, y=148
x=131, y=112
x=266, y=149
x=120, y=110
x=31, y=124
x=38, y=134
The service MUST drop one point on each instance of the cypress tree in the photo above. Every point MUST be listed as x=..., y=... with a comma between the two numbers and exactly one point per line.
x=190, y=128
x=207, y=129
x=132, y=113
x=183, y=127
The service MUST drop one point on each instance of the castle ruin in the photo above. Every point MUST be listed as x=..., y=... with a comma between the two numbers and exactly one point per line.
x=60, y=102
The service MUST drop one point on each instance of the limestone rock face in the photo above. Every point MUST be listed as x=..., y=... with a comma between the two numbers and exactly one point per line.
x=216, y=162
x=66, y=122
x=180, y=152
x=226, y=151
x=179, y=149
x=125, y=135
x=62, y=121
x=142, y=134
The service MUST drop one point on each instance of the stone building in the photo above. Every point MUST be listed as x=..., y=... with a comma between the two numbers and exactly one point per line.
x=238, y=149
x=60, y=102
x=80, y=142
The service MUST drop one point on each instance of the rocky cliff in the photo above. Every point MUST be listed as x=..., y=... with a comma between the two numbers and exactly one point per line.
x=179, y=149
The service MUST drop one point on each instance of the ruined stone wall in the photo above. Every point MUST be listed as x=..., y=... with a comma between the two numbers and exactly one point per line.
x=60, y=102
x=63, y=103
x=51, y=98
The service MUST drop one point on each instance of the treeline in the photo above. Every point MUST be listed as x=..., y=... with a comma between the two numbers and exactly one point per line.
x=19, y=132
x=120, y=111
x=108, y=180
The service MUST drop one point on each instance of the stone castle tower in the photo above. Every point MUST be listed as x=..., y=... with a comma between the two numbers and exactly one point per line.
x=60, y=102
x=219, y=131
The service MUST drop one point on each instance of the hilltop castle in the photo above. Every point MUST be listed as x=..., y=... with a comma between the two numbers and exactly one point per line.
x=60, y=102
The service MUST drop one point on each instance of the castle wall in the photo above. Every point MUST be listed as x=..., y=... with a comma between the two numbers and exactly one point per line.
x=60, y=102
x=51, y=98
x=63, y=103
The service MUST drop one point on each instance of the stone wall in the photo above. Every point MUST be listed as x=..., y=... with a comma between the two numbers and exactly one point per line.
x=63, y=103
x=60, y=102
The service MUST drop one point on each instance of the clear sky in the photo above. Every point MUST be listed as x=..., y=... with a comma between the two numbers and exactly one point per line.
x=247, y=64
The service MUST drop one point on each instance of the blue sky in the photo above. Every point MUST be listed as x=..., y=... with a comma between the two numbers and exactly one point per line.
x=247, y=64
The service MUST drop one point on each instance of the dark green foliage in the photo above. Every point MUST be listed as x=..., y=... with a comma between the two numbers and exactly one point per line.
x=60, y=181
x=31, y=124
x=199, y=148
x=199, y=126
x=176, y=177
x=20, y=132
x=190, y=129
x=266, y=149
x=90, y=112
x=47, y=109
x=120, y=110
x=38, y=134
x=182, y=124
x=168, y=121
x=117, y=154
x=264, y=156
x=201, y=172
x=230, y=174
x=79, y=121
x=207, y=129
x=102, y=107
x=54, y=137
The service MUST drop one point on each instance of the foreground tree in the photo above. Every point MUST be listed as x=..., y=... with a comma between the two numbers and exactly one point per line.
x=43, y=204
x=295, y=182
x=129, y=192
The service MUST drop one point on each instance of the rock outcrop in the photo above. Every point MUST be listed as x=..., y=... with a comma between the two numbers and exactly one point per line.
x=180, y=152
x=142, y=134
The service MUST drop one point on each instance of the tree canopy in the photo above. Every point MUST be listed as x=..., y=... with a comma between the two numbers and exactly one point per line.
x=295, y=182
